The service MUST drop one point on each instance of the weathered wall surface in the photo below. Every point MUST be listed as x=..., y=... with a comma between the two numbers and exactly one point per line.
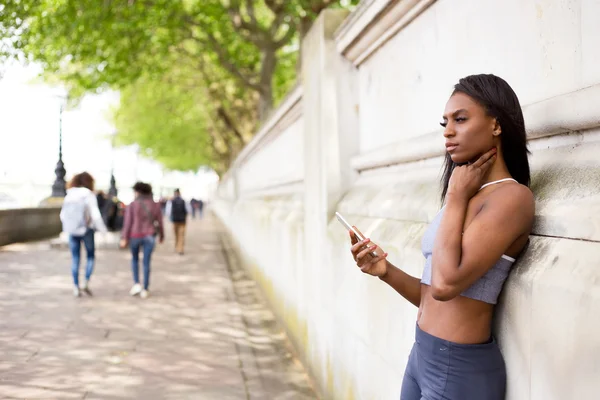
x=22, y=225
x=364, y=122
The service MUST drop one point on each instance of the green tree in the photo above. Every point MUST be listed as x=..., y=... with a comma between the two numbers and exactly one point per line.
x=244, y=49
x=174, y=120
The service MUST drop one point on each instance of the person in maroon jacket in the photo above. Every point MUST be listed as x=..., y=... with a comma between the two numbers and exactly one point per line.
x=142, y=223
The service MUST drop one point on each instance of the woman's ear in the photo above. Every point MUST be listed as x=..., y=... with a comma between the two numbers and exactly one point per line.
x=497, y=128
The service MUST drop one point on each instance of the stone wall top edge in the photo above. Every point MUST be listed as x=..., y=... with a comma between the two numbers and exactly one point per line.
x=30, y=210
x=275, y=188
x=287, y=105
x=372, y=25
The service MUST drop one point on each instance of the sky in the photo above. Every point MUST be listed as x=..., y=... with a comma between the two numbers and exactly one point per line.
x=29, y=136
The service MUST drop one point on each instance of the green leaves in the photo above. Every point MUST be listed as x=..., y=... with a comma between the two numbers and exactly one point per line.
x=166, y=123
x=196, y=76
x=175, y=121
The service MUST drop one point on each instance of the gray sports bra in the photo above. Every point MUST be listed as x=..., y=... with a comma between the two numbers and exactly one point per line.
x=488, y=287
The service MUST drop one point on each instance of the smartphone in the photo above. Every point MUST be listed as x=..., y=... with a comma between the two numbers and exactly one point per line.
x=351, y=228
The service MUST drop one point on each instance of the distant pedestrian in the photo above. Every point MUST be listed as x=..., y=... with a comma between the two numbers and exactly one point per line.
x=142, y=223
x=194, y=207
x=200, y=205
x=80, y=217
x=114, y=214
x=163, y=205
x=177, y=211
x=101, y=199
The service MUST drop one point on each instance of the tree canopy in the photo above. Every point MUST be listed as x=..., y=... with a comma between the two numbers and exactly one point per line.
x=193, y=73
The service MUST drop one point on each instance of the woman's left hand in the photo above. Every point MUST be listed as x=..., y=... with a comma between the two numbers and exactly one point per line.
x=466, y=180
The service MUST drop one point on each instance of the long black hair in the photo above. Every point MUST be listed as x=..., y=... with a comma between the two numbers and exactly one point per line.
x=500, y=102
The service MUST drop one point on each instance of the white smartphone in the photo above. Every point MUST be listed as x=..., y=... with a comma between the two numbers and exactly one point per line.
x=351, y=228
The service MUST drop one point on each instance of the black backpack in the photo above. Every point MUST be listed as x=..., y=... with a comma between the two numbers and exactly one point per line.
x=178, y=210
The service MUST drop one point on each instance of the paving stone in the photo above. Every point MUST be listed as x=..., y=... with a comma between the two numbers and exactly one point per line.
x=200, y=335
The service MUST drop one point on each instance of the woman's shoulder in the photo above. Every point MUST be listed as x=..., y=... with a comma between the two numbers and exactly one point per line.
x=516, y=190
x=148, y=201
x=513, y=197
x=79, y=193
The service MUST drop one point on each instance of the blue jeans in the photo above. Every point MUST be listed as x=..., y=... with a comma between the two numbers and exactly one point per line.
x=75, y=246
x=147, y=245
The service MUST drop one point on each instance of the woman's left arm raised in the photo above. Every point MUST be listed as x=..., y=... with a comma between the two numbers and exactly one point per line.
x=459, y=259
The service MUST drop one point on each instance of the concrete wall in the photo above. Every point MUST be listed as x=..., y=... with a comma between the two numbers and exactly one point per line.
x=26, y=224
x=373, y=92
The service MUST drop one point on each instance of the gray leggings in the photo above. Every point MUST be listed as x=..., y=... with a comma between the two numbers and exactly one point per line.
x=441, y=370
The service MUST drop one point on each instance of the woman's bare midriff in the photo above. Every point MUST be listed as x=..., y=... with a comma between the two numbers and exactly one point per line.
x=460, y=320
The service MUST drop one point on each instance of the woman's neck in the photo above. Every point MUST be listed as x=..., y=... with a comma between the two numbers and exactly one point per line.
x=498, y=170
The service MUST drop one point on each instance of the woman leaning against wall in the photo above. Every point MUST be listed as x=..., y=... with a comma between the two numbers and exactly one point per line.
x=469, y=248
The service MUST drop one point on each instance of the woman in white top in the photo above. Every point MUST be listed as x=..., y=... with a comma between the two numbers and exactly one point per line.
x=80, y=217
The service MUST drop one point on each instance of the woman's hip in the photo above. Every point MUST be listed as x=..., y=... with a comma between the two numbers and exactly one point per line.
x=448, y=370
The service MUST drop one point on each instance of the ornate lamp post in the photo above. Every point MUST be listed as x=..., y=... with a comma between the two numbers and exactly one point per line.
x=59, y=186
x=112, y=190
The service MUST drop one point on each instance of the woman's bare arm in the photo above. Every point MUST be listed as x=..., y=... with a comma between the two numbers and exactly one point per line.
x=460, y=259
x=406, y=285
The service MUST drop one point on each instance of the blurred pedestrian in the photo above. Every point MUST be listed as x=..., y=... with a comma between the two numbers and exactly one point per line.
x=142, y=224
x=163, y=204
x=200, y=206
x=80, y=217
x=178, y=210
x=194, y=207
x=101, y=199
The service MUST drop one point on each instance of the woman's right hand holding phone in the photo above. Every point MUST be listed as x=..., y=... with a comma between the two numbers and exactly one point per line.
x=361, y=252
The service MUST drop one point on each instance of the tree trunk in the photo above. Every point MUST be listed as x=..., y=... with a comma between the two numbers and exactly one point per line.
x=229, y=124
x=265, y=101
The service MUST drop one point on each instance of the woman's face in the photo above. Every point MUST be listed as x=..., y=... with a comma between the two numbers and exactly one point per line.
x=468, y=130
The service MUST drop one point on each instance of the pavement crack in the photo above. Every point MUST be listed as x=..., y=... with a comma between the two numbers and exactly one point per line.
x=35, y=353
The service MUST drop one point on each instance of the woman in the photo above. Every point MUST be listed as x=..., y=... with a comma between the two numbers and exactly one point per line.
x=142, y=223
x=80, y=216
x=469, y=247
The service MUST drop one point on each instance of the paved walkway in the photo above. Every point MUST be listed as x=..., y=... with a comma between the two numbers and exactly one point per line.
x=200, y=335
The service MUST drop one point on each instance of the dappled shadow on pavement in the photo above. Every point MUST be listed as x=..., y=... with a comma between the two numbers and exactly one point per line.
x=191, y=339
